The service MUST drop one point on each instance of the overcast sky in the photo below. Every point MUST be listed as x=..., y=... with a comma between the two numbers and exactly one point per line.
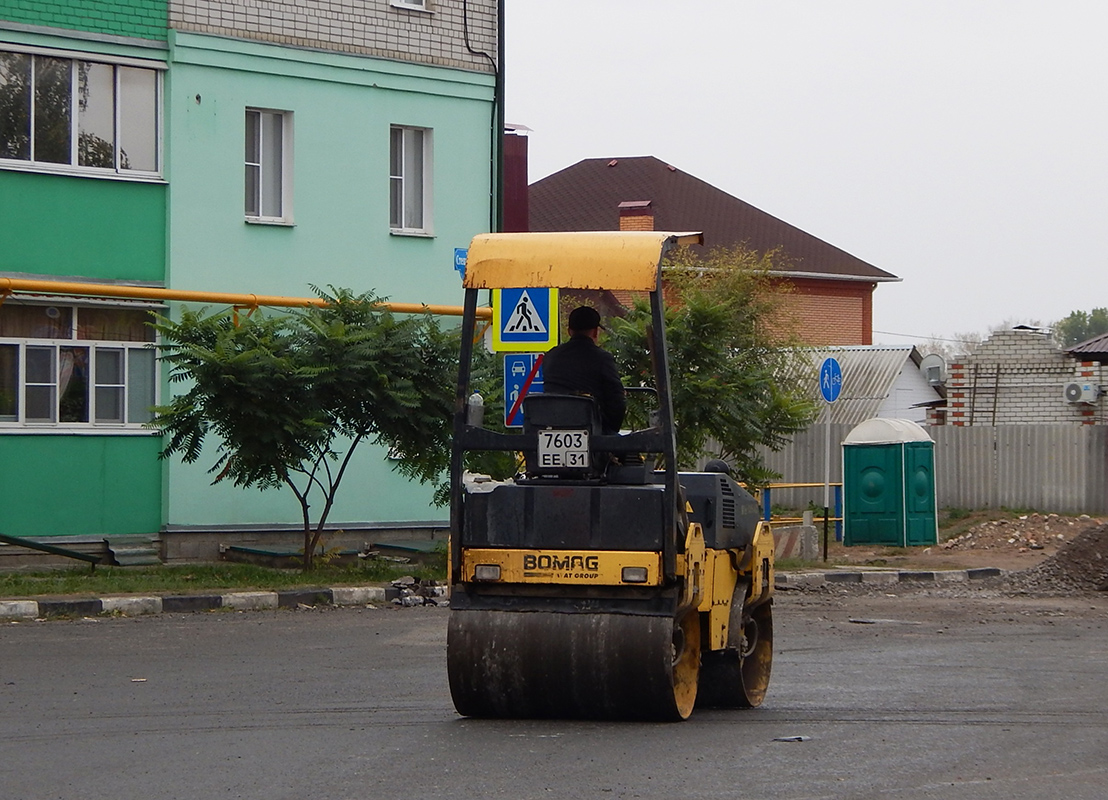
x=961, y=145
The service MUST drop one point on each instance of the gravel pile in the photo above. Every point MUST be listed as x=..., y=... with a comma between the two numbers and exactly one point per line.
x=1048, y=532
x=1078, y=567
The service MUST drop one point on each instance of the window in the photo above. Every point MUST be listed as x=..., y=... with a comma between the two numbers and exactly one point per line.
x=410, y=180
x=78, y=115
x=77, y=367
x=420, y=5
x=268, y=159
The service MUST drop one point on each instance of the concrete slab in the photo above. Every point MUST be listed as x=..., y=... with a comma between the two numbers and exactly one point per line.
x=357, y=595
x=250, y=601
x=131, y=606
x=18, y=609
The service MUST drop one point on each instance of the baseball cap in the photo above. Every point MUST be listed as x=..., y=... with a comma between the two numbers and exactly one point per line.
x=584, y=318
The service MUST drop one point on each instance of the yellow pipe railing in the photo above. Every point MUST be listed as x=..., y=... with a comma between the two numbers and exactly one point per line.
x=835, y=485
x=11, y=285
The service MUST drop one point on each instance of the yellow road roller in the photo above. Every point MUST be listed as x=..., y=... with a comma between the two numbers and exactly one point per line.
x=599, y=582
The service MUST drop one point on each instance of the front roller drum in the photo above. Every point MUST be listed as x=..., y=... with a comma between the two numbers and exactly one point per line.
x=528, y=664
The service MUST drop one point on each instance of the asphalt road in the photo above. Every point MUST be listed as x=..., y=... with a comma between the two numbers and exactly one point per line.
x=931, y=697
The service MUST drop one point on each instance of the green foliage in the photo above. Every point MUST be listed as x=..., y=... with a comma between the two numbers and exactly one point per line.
x=1080, y=326
x=289, y=397
x=728, y=357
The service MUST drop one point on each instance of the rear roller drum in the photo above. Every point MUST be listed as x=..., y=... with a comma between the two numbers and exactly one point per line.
x=738, y=676
x=526, y=664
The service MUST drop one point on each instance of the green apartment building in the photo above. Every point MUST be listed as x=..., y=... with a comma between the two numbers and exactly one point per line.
x=215, y=146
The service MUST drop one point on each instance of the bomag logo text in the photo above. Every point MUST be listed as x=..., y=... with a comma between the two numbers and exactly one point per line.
x=562, y=563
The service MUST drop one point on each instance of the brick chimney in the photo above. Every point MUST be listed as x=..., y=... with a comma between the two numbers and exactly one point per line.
x=516, y=211
x=636, y=215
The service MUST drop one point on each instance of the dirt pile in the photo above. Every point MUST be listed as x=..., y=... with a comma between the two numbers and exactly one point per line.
x=1079, y=566
x=1031, y=532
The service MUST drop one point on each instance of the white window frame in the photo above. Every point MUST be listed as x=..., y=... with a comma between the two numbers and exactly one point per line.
x=406, y=226
x=412, y=5
x=286, y=161
x=93, y=381
x=116, y=172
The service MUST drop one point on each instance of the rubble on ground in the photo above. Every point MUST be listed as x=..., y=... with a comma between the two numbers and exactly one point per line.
x=1049, y=532
x=414, y=592
x=1080, y=566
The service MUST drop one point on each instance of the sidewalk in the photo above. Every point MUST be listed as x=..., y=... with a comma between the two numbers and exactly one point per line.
x=131, y=605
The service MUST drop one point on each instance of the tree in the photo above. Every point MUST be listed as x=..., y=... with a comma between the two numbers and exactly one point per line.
x=730, y=357
x=1078, y=326
x=290, y=396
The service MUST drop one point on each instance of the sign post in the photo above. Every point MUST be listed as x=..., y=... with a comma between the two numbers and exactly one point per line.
x=830, y=387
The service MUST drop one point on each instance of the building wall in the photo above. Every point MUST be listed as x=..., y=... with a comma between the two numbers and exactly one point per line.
x=832, y=312
x=365, y=27
x=144, y=19
x=55, y=223
x=189, y=231
x=343, y=107
x=908, y=391
x=1017, y=378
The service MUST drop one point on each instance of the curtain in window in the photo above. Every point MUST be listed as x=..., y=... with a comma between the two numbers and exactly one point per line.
x=114, y=325
x=35, y=322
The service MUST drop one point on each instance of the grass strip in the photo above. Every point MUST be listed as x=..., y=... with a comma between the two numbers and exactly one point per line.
x=200, y=579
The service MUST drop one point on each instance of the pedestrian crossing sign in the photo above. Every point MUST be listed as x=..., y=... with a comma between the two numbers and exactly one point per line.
x=525, y=320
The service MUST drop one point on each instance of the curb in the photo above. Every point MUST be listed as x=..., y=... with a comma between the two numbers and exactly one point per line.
x=131, y=605
x=236, y=601
x=794, y=580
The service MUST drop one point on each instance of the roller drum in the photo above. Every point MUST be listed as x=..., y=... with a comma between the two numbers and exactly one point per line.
x=533, y=664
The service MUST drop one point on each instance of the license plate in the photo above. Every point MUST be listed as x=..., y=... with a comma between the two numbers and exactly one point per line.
x=562, y=449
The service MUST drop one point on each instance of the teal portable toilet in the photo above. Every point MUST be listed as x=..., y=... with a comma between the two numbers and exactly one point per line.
x=889, y=484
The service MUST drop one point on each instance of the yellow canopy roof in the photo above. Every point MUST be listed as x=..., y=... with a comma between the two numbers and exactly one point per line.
x=585, y=260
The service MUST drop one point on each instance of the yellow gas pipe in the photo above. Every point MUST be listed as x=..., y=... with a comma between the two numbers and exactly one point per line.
x=251, y=301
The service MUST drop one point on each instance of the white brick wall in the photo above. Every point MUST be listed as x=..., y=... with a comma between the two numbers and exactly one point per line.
x=1017, y=378
x=365, y=27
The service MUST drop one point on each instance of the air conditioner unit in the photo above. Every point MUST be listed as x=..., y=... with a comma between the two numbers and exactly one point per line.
x=1081, y=392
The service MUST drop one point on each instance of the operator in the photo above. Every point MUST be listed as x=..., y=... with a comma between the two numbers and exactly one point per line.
x=581, y=366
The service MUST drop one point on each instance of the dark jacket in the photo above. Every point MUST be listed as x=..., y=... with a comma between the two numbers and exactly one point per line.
x=579, y=366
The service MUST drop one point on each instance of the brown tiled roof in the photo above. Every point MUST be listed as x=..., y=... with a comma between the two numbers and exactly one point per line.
x=1095, y=349
x=586, y=197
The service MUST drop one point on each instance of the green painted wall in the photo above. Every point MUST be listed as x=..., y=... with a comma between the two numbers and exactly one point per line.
x=80, y=485
x=62, y=225
x=144, y=19
x=342, y=108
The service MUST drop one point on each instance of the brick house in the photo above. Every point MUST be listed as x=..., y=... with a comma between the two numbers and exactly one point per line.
x=832, y=296
x=1020, y=377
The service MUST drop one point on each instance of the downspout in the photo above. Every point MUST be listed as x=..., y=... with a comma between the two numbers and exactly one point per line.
x=498, y=134
x=496, y=145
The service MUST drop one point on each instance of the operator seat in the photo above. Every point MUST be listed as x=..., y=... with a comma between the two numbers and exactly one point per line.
x=560, y=412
